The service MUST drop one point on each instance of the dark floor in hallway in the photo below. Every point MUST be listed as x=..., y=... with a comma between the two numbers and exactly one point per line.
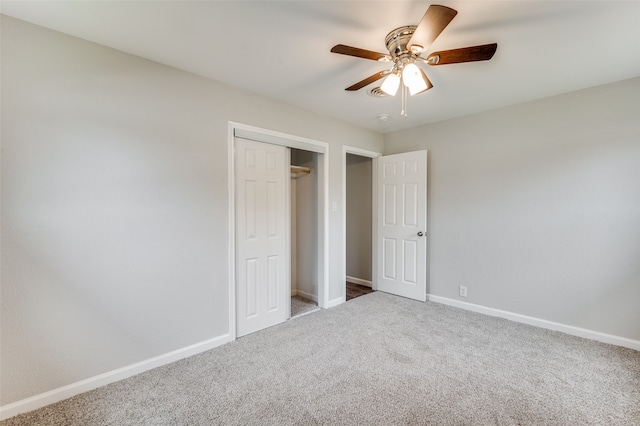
x=356, y=290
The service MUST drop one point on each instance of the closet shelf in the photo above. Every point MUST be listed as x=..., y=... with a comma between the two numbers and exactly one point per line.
x=300, y=169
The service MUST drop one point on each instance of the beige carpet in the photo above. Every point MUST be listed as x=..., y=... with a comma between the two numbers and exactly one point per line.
x=302, y=306
x=377, y=360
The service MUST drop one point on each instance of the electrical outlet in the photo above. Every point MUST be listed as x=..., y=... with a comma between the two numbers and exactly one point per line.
x=463, y=291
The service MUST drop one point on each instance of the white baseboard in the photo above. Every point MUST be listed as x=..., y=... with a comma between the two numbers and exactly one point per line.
x=307, y=295
x=358, y=281
x=550, y=325
x=64, y=392
x=335, y=302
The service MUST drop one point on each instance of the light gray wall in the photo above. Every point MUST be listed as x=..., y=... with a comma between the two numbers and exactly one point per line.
x=359, y=214
x=536, y=208
x=114, y=206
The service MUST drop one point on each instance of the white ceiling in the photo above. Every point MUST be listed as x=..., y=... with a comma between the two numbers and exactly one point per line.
x=280, y=49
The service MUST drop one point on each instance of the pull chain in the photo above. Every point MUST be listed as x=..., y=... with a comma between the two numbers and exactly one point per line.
x=404, y=101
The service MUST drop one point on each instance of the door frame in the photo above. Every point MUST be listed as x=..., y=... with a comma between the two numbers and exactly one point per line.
x=346, y=149
x=291, y=141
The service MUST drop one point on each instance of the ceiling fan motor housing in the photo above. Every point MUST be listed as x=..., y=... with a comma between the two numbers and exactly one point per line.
x=397, y=40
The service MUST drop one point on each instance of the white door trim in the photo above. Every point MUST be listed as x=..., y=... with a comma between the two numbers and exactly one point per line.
x=291, y=141
x=346, y=149
x=276, y=138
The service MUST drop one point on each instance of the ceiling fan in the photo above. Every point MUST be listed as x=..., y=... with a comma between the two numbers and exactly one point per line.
x=406, y=45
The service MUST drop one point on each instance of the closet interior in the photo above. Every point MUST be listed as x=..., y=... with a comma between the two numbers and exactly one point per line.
x=304, y=232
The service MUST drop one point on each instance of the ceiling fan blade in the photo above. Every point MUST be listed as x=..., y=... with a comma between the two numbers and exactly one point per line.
x=434, y=21
x=466, y=54
x=367, y=81
x=359, y=53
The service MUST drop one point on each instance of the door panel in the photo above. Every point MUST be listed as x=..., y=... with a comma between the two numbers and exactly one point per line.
x=389, y=203
x=410, y=271
x=389, y=255
x=261, y=235
x=252, y=287
x=402, y=215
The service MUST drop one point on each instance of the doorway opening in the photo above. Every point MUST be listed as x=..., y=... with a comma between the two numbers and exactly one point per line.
x=359, y=220
x=359, y=225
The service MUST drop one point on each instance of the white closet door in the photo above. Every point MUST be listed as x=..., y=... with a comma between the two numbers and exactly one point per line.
x=262, y=266
x=402, y=224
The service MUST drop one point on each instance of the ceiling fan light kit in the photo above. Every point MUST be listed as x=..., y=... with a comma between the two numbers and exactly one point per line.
x=405, y=45
x=390, y=84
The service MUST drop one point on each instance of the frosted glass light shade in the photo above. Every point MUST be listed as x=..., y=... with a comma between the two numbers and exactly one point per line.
x=412, y=78
x=417, y=86
x=410, y=73
x=390, y=84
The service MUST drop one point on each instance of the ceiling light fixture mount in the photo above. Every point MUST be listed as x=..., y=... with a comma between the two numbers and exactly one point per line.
x=405, y=45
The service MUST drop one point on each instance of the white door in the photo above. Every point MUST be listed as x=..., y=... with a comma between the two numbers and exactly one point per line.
x=262, y=276
x=402, y=224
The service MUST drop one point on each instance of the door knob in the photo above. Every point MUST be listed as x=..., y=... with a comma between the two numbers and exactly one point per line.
x=420, y=234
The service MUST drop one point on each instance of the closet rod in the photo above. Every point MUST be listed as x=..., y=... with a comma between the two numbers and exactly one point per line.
x=300, y=169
